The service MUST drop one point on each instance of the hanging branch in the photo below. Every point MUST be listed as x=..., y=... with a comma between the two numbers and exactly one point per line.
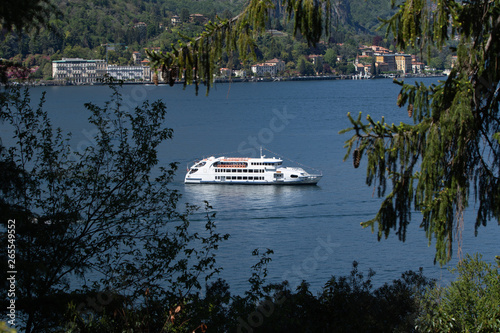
x=195, y=59
x=453, y=145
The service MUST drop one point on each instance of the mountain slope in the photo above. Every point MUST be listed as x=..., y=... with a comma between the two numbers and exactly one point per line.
x=86, y=25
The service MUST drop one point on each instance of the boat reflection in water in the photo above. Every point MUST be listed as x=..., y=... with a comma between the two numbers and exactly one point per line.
x=253, y=201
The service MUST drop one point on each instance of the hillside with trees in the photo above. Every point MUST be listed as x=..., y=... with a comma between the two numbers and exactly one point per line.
x=113, y=29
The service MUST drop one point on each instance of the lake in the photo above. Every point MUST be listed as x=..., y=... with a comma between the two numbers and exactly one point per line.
x=314, y=231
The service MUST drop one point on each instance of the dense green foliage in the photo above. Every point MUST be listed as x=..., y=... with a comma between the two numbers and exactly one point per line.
x=450, y=154
x=13, y=14
x=105, y=209
x=367, y=14
x=470, y=304
x=110, y=30
x=90, y=24
x=346, y=304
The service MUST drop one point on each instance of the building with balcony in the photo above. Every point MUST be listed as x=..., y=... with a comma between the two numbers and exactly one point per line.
x=403, y=63
x=126, y=73
x=81, y=71
x=77, y=70
x=175, y=20
x=272, y=67
x=388, y=60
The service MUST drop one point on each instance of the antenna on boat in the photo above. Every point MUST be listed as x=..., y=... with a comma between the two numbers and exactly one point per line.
x=260, y=151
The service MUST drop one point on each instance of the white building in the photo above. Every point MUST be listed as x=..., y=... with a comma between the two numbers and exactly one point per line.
x=126, y=73
x=78, y=70
x=81, y=71
x=272, y=67
x=176, y=20
x=240, y=73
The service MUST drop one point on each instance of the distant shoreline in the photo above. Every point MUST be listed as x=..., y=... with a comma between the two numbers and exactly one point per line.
x=237, y=80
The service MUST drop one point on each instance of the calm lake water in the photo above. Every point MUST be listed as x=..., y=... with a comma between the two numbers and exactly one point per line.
x=314, y=230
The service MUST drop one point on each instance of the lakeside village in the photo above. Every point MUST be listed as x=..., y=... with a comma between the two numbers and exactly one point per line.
x=77, y=71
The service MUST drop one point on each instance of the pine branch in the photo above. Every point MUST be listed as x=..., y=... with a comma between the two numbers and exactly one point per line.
x=195, y=59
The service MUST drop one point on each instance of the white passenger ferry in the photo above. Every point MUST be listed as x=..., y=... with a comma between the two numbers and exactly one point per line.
x=246, y=170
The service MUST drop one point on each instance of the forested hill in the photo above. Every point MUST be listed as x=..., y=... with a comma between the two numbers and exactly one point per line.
x=91, y=23
x=86, y=26
x=103, y=19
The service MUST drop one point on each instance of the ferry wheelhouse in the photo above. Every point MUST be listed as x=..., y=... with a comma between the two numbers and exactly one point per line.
x=246, y=170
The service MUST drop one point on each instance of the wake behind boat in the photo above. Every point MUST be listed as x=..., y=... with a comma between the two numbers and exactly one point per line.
x=247, y=170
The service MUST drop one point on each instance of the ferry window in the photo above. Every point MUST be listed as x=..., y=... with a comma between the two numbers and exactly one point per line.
x=250, y=170
x=233, y=170
x=239, y=177
x=294, y=176
x=244, y=178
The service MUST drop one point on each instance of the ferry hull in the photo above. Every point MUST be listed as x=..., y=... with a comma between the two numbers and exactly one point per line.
x=309, y=181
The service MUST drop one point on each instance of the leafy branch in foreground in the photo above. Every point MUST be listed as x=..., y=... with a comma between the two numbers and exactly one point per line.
x=471, y=303
x=14, y=14
x=195, y=59
x=99, y=221
x=451, y=153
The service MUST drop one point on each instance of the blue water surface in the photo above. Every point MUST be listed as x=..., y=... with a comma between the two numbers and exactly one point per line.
x=314, y=231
